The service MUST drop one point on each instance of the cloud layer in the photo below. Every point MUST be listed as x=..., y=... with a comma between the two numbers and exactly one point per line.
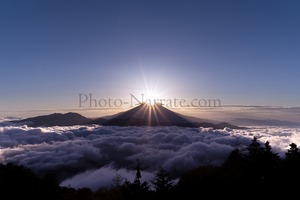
x=88, y=156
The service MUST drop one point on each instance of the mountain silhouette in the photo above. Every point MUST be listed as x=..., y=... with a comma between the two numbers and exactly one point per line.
x=56, y=119
x=157, y=115
x=141, y=115
x=145, y=115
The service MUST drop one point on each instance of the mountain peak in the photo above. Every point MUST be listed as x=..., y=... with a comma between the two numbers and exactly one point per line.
x=149, y=115
x=141, y=115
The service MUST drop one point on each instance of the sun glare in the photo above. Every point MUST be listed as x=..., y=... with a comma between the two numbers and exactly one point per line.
x=153, y=93
x=151, y=98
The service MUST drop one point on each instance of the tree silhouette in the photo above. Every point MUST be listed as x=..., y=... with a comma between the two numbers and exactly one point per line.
x=269, y=163
x=117, y=181
x=293, y=153
x=268, y=147
x=234, y=160
x=254, y=148
x=136, y=190
x=138, y=174
x=292, y=163
x=162, y=182
x=261, y=162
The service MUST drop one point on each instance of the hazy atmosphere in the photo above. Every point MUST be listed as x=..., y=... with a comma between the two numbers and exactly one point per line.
x=240, y=52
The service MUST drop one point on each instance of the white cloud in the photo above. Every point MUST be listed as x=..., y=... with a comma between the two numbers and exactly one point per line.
x=103, y=178
x=78, y=154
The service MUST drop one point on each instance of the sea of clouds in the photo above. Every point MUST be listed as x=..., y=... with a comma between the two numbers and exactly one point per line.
x=91, y=156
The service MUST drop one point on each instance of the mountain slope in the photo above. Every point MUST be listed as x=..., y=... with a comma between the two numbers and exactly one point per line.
x=157, y=115
x=144, y=115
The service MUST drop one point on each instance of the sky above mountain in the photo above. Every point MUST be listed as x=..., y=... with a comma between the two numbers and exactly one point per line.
x=240, y=52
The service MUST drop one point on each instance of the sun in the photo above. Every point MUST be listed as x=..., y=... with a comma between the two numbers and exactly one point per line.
x=152, y=98
x=152, y=91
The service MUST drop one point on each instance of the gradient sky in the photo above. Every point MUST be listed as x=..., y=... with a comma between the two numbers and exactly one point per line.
x=241, y=52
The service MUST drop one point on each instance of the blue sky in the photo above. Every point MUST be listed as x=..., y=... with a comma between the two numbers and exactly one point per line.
x=241, y=52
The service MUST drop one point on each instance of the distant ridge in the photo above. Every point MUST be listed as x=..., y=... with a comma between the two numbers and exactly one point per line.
x=263, y=122
x=142, y=115
x=56, y=119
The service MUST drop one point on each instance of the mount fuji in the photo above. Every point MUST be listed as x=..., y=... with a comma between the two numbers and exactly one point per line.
x=141, y=115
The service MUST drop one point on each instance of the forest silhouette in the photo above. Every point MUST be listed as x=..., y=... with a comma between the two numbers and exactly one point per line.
x=254, y=172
